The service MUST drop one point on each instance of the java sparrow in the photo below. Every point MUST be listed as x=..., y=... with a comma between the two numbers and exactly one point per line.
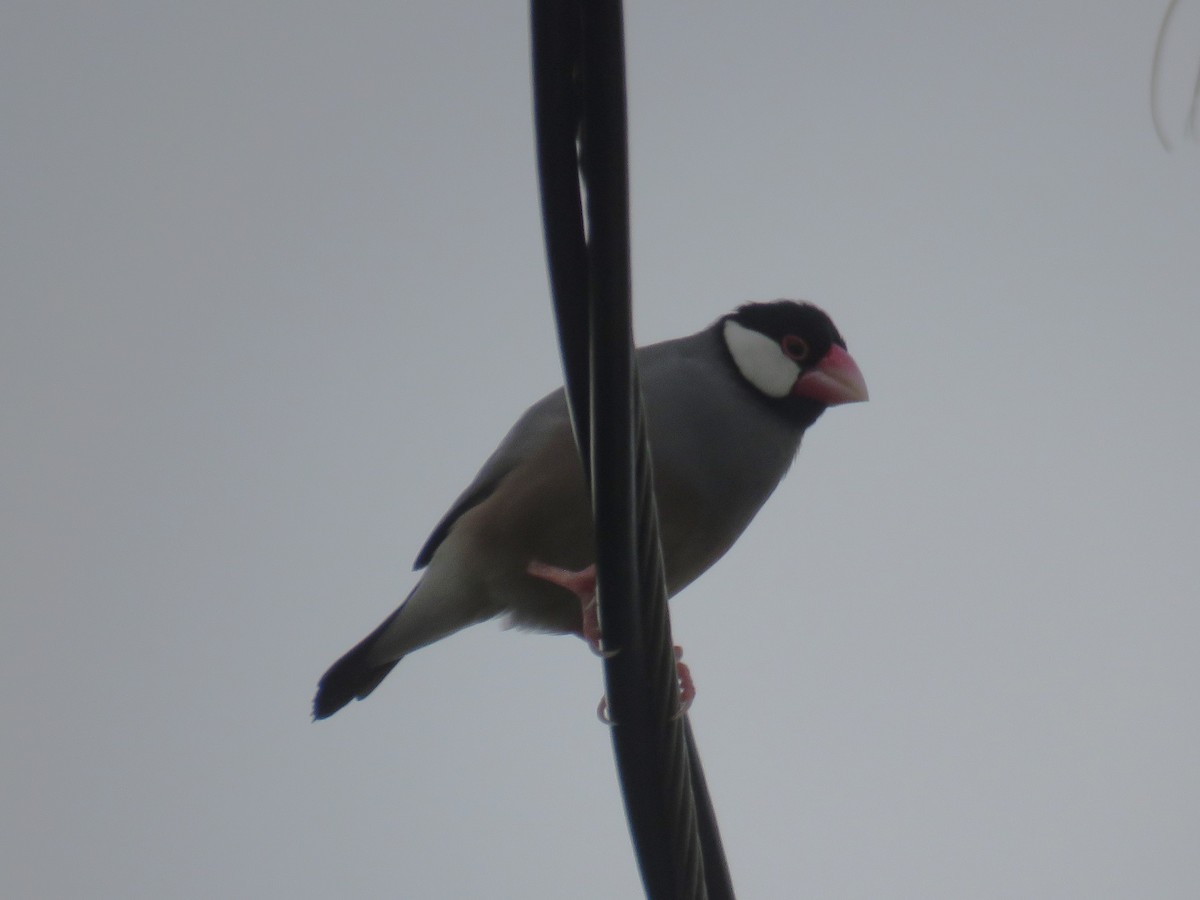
x=725, y=409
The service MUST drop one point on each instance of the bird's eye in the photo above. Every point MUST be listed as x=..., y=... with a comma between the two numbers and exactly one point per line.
x=795, y=347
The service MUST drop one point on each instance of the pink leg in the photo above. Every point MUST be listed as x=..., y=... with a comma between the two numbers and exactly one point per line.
x=583, y=585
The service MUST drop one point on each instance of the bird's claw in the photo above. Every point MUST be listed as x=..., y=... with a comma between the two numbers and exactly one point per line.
x=591, y=630
x=687, y=687
x=583, y=585
x=687, y=692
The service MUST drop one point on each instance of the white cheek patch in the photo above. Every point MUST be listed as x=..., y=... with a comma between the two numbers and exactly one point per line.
x=760, y=360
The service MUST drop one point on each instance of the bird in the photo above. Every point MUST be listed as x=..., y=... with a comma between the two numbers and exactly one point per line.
x=725, y=408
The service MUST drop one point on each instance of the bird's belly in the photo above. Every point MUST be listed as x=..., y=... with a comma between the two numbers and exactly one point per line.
x=538, y=605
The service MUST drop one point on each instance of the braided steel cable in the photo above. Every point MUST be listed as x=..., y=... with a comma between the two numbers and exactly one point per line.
x=579, y=100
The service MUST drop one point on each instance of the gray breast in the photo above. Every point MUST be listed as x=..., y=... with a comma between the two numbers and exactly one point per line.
x=718, y=451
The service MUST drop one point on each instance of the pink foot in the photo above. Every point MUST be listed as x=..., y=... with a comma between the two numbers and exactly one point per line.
x=687, y=690
x=687, y=687
x=583, y=585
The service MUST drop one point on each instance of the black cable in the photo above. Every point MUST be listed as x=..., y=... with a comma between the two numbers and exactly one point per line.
x=716, y=870
x=558, y=111
x=579, y=99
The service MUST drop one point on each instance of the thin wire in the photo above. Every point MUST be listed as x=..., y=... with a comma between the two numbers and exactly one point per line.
x=1194, y=109
x=1154, y=74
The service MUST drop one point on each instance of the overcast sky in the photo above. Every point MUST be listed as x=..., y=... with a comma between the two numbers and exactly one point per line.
x=273, y=287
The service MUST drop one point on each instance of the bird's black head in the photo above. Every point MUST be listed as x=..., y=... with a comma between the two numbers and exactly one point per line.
x=793, y=356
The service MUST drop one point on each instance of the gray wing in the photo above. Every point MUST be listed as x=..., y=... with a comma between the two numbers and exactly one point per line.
x=718, y=454
x=540, y=421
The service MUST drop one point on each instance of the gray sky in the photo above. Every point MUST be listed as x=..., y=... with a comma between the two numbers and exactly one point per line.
x=273, y=287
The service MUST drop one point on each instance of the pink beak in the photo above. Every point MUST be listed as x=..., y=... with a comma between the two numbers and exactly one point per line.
x=834, y=381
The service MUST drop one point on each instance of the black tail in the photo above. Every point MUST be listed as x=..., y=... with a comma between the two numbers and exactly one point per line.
x=350, y=678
